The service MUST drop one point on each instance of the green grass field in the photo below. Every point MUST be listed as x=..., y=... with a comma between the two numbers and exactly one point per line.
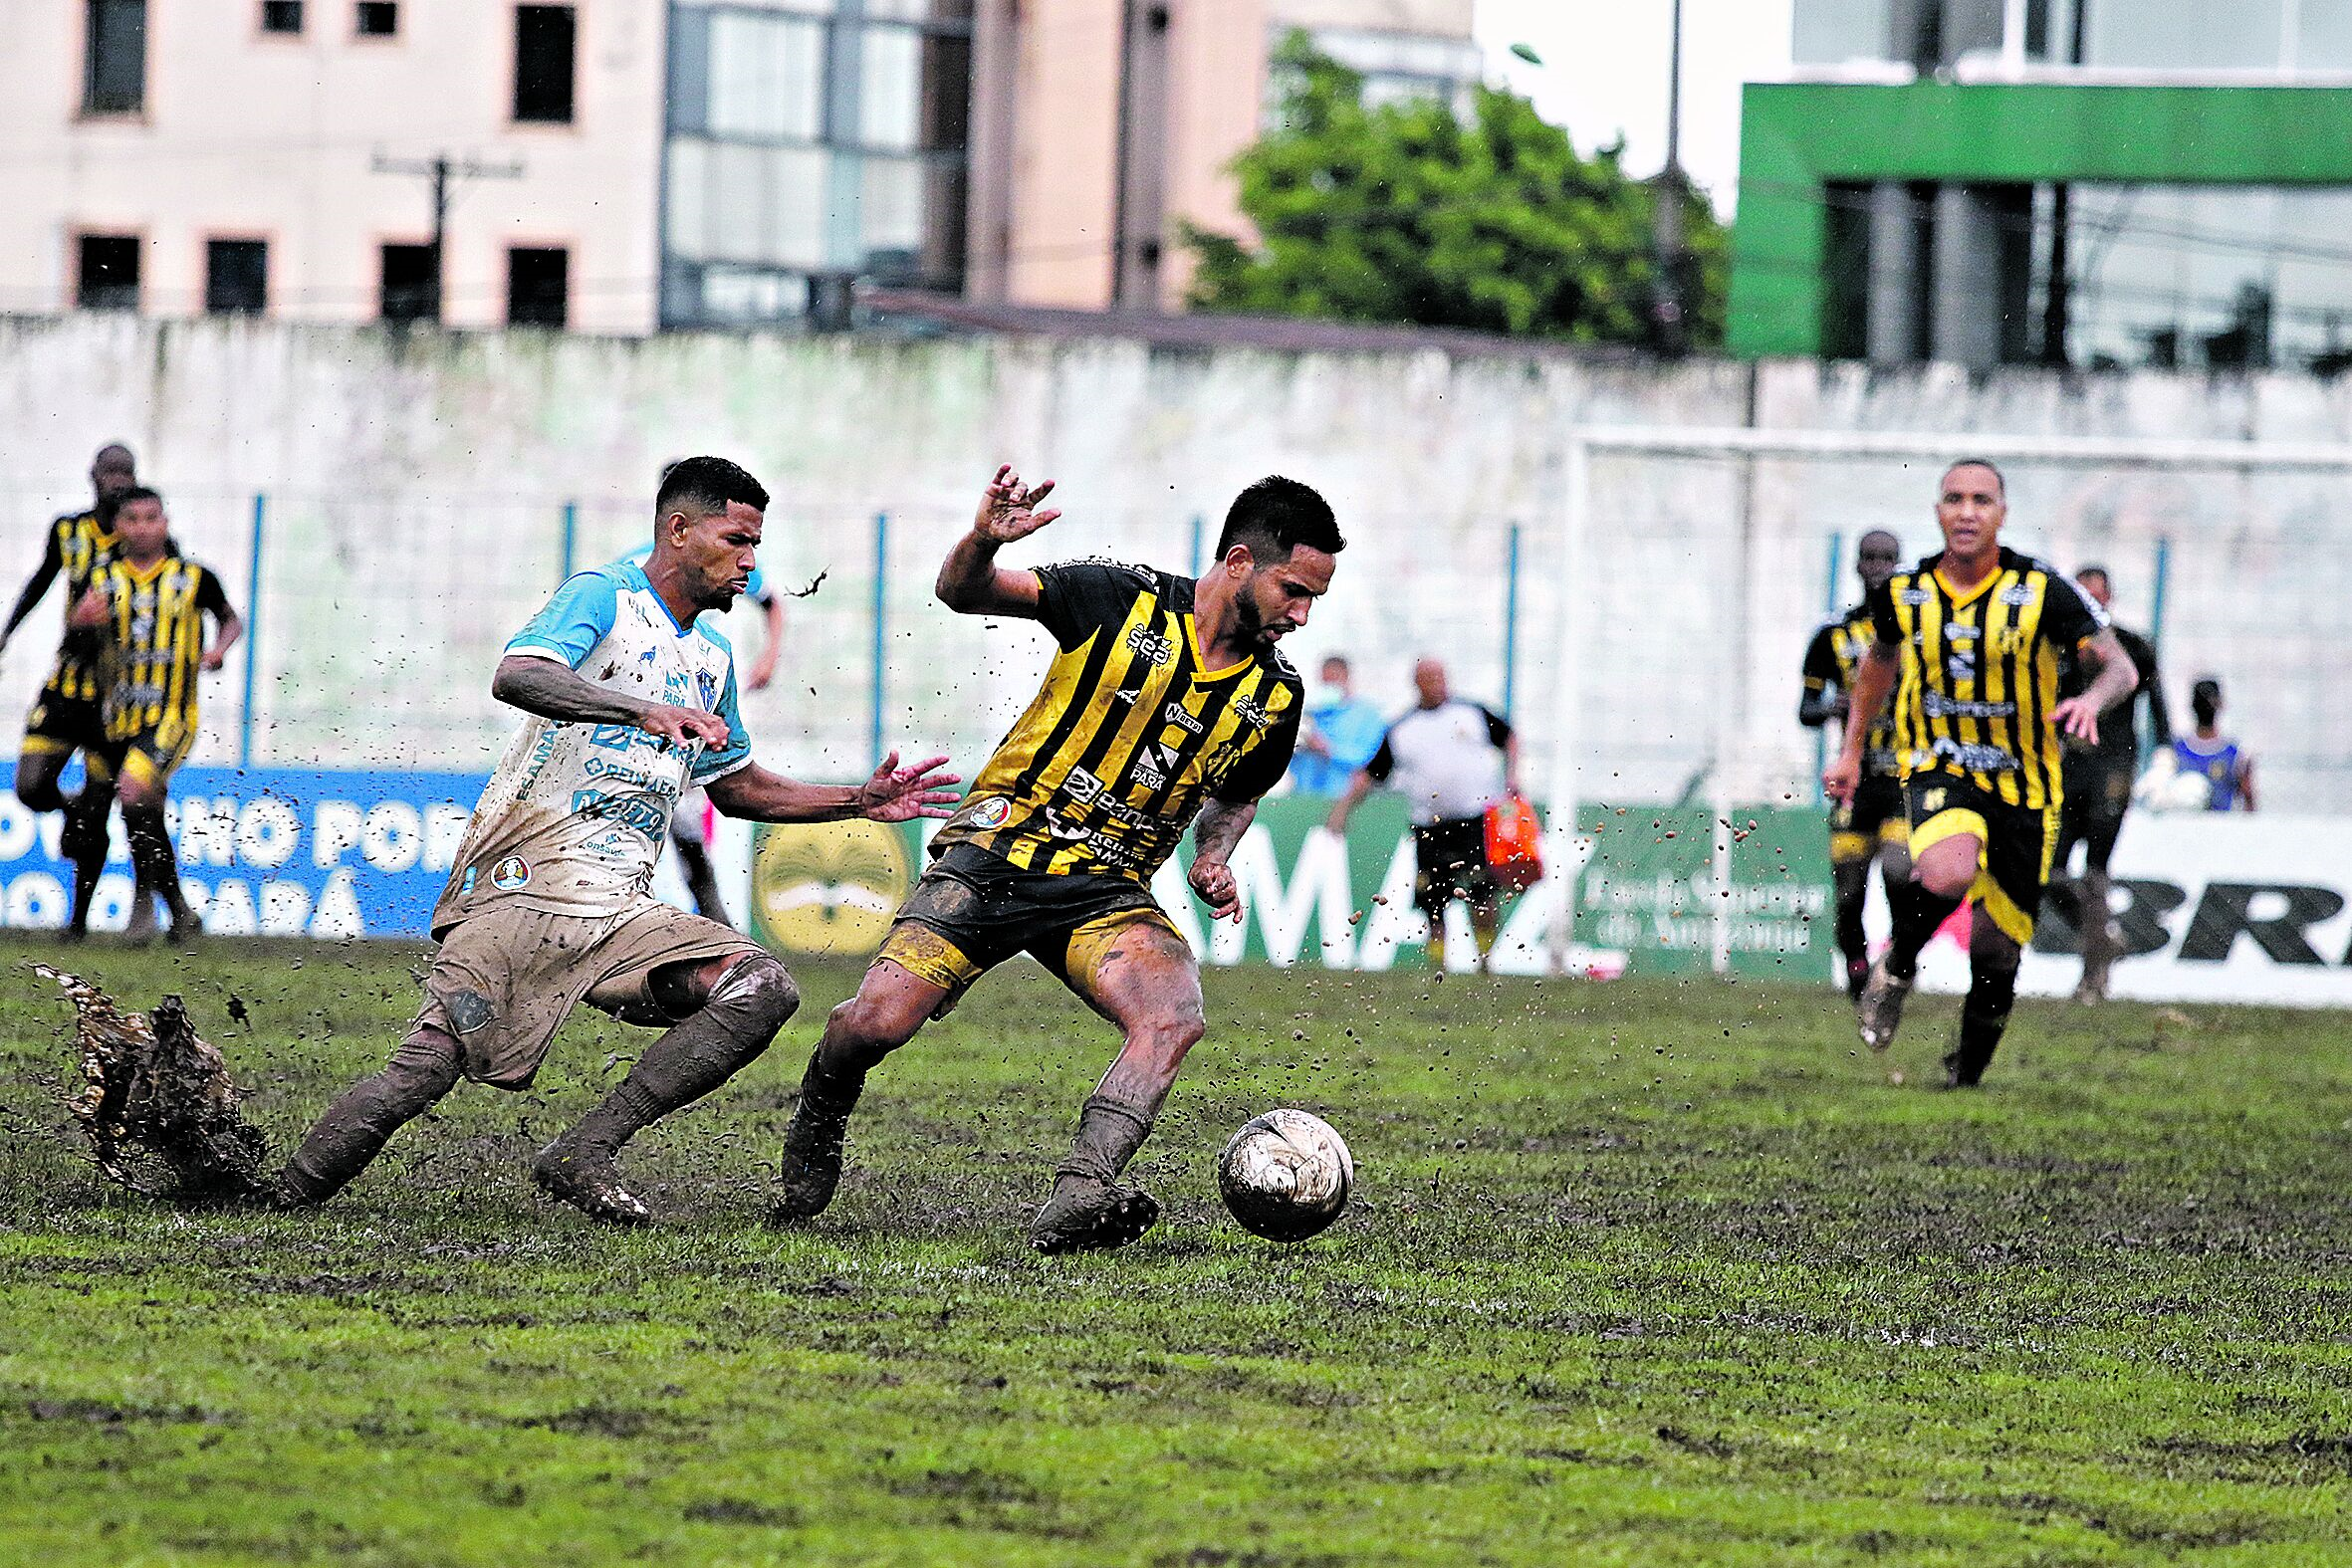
x=1639, y=1274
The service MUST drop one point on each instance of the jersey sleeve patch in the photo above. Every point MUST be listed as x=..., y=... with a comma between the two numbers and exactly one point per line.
x=1077, y=598
x=580, y=616
x=719, y=762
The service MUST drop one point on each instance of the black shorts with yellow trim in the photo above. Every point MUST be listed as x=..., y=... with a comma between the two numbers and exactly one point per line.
x=1874, y=816
x=65, y=724
x=150, y=755
x=2018, y=841
x=973, y=910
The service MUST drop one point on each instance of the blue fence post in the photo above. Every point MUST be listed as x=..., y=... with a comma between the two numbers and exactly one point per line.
x=1837, y=545
x=571, y=539
x=2164, y=576
x=1197, y=544
x=881, y=629
x=1510, y=626
x=252, y=631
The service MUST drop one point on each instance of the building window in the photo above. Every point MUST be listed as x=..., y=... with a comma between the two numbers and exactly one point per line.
x=114, y=76
x=543, y=63
x=538, y=286
x=281, y=16
x=412, y=289
x=236, y=277
x=378, y=19
x=108, y=277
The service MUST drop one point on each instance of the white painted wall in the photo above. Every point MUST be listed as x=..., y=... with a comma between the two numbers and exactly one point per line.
x=250, y=136
x=415, y=490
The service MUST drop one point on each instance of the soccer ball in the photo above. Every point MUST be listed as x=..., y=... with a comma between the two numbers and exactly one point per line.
x=1285, y=1175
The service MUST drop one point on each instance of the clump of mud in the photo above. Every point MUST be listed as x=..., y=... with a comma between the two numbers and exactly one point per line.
x=158, y=1104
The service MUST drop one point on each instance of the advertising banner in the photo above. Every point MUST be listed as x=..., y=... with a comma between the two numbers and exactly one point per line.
x=268, y=851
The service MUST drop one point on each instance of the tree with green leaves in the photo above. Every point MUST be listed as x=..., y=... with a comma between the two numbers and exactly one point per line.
x=1408, y=213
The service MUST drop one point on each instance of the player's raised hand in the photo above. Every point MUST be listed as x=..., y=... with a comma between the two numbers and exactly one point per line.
x=1842, y=778
x=90, y=610
x=2079, y=718
x=900, y=794
x=1008, y=507
x=684, y=726
x=1213, y=883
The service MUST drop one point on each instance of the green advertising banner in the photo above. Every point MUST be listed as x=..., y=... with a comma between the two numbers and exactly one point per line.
x=1660, y=890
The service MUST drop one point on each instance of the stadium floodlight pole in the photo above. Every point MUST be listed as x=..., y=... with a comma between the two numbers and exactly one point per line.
x=1568, y=692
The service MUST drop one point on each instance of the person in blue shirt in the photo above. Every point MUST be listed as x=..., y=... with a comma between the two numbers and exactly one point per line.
x=1342, y=732
x=2224, y=764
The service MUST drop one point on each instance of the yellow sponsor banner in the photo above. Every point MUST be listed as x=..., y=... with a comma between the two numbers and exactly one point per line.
x=828, y=889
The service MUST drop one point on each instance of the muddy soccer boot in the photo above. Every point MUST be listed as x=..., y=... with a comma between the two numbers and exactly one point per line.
x=812, y=1159
x=1879, y=1010
x=588, y=1180
x=1086, y=1215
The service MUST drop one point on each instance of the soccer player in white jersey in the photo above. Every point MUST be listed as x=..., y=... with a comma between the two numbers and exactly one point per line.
x=633, y=701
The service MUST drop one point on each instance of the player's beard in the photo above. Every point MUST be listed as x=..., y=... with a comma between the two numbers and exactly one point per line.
x=1251, y=619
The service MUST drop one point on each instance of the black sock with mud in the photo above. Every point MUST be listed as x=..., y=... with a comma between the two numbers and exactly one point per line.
x=84, y=843
x=1918, y=913
x=1993, y=993
x=746, y=1006
x=151, y=854
x=1109, y=1132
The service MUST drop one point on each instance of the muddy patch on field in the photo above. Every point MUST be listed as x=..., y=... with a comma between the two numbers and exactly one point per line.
x=2309, y=1457
x=606, y=1420
x=741, y=1511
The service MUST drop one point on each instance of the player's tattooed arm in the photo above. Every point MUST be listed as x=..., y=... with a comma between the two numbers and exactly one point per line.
x=2117, y=679
x=970, y=580
x=893, y=795
x=1874, y=681
x=553, y=690
x=1214, y=835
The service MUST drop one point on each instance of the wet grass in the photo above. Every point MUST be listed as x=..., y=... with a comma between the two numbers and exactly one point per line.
x=1639, y=1274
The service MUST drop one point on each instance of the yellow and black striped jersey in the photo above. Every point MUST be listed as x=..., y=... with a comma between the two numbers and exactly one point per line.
x=1129, y=734
x=1831, y=660
x=1980, y=672
x=155, y=641
x=79, y=549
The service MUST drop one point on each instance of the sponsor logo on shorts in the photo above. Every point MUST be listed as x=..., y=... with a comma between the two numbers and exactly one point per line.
x=993, y=813
x=511, y=874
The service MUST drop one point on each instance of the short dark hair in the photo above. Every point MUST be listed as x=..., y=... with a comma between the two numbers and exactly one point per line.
x=135, y=493
x=1998, y=478
x=2094, y=570
x=1275, y=516
x=704, y=485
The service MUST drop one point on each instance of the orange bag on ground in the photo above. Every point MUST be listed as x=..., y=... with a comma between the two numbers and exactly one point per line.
x=1513, y=844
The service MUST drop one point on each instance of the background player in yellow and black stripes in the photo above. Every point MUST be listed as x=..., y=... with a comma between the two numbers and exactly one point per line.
x=1167, y=702
x=149, y=606
x=1870, y=826
x=1970, y=643
x=65, y=718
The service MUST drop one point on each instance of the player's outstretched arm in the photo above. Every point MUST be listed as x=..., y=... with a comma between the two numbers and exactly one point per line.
x=2117, y=679
x=1214, y=835
x=893, y=795
x=551, y=689
x=36, y=588
x=970, y=580
x=1874, y=681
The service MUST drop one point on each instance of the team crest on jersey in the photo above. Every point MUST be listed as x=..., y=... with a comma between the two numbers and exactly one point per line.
x=708, y=684
x=511, y=874
x=993, y=813
x=1151, y=645
x=2020, y=594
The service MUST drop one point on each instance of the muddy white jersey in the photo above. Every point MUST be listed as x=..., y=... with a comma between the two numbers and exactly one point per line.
x=573, y=819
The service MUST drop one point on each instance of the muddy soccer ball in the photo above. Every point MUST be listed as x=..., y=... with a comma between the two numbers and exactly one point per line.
x=1285, y=1175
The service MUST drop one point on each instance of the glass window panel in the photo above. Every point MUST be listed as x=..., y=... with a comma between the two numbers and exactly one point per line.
x=766, y=75
x=1833, y=32
x=891, y=214
x=688, y=228
x=2324, y=40
x=741, y=294
x=2213, y=35
x=890, y=94
x=791, y=187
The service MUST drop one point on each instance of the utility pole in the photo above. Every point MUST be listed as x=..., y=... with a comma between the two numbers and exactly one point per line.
x=440, y=170
x=1666, y=207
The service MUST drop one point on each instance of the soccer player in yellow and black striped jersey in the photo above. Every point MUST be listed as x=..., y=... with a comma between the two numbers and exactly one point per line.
x=1869, y=827
x=66, y=717
x=1166, y=702
x=148, y=606
x=1969, y=641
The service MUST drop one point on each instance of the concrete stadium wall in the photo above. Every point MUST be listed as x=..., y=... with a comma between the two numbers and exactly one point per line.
x=414, y=491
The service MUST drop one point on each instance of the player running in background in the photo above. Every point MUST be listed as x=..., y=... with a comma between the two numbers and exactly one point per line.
x=2227, y=771
x=2098, y=780
x=1969, y=642
x=67, y=716
x=148, y=606
x=1167, y=700
x=1870, y=826
x=632, y=700
x=690, y=824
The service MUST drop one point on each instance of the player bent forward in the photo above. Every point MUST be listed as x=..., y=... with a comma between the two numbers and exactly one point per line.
x=633, y=701
x=1166, y=700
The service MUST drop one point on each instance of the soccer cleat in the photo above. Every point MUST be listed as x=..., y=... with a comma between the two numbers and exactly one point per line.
x=1879, y=1010
x=1093, y=1218
x=588, y=1184
x=812, y=1157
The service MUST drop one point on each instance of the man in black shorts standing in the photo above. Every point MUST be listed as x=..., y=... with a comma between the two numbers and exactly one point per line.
x=1870, y=826
x=1969, y=641
x=1167, y=700
x=2099, y=791
x=1451, y=760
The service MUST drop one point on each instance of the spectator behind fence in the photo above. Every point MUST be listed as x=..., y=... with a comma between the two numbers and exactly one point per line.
x=1449, y=760
x=2229, y=773
x=1343, y=732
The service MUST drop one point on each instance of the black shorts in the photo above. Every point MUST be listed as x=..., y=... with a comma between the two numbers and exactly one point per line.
x=2097, y=796
x=1872, y=818
x=64, y=724
x=973, y=910
x=2019, y=841
x=1450, y=862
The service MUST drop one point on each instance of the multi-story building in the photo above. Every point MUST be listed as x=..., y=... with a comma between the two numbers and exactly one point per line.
x=2077, y=182
x=617, y=165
